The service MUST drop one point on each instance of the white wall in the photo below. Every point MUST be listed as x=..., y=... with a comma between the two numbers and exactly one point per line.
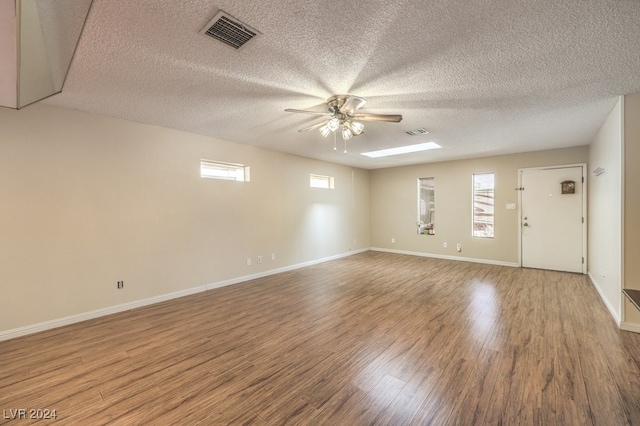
x=605, y=212
x=88, y=200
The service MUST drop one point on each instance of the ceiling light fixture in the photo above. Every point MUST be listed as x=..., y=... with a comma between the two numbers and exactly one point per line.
x=333, y=124
x=325, y=130
x=350, y=128
x=356, y=127
x=343, y=111
x=402, y=150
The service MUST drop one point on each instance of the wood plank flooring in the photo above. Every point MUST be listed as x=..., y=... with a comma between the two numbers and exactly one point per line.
x=372, y=339
x=633, y=296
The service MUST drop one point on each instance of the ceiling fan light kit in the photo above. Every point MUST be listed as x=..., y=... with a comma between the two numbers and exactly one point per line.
x=356, y=127
x=346, y=133
x=343, y=112
x=325, y=130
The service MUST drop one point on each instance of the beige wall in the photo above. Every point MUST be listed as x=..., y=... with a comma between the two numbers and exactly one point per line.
x=605, y=212
x=35, y=78
x=8, y=54
x=394, y=204
x=632, y=202
x=88, y=200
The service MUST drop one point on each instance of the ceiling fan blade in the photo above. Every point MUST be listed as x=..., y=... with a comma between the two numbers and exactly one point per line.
x=352, y=104
x=304, y=111
x=314, y=126
x=390, y=118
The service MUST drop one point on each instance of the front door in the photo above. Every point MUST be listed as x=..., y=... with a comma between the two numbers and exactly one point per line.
x=552, y=224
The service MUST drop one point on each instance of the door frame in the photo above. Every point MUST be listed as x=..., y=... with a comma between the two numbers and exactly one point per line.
x=584, y=208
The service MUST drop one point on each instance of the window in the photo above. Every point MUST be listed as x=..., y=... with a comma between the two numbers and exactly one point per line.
x=319, y=181
x=483, y=205
x=426, y=206
x=225, y=171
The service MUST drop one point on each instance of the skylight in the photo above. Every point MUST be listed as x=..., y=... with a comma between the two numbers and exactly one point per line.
x=402, y=150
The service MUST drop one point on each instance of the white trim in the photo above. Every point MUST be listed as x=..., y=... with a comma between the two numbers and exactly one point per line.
x=623, y=309
x=630, y=326
x=612, y=311
x=72, y=319
x=585, y=218
x=280, y=270
x=446, y=257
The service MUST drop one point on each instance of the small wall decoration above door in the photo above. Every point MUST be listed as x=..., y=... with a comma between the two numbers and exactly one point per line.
x=568, y=187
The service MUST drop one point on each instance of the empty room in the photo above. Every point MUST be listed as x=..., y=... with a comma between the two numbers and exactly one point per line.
x=336, y=213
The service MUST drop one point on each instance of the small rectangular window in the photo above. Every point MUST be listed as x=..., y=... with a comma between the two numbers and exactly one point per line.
x=483, y=205
x=426, y=206
x=319, y=181
x=225, y=171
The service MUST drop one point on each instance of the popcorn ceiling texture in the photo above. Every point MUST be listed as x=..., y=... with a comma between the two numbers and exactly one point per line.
x=486, y=77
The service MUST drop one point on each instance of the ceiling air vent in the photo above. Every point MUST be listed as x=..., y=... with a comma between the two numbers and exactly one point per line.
x=420, y=131
x=229, y=30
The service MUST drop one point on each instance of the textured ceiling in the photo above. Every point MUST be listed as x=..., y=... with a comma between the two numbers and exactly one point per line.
x=485, y=77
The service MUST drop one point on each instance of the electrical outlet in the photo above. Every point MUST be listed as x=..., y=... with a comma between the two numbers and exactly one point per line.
x=248, y=261
x=459, y=247
x=354, y=241
x=393, y=241
x=444, y=245
x=259, y=259
x=273, y=256
x=120, y=284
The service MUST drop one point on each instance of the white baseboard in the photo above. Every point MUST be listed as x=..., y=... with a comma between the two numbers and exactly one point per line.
x=72, y=319
x=630, y=326
x=612, y=311
x=283, y=269
x=446, y=257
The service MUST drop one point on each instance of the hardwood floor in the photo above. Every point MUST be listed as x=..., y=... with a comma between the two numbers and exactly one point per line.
x=374, y=338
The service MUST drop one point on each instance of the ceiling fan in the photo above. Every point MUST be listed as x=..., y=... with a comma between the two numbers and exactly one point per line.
x=342, y=111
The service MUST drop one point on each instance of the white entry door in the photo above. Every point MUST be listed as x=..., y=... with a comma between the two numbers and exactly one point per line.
x=552, y=224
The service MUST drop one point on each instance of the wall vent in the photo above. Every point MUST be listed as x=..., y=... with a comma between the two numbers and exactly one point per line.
x=229, y=30
x=420, y=131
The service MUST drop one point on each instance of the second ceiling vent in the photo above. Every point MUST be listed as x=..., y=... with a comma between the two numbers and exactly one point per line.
x=229, y=30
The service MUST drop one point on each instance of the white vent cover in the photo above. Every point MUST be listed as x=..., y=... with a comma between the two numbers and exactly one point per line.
x=229, y=30
x=420, y=131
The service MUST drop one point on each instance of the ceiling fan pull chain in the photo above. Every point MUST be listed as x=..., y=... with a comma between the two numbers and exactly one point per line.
x=345, y=146
x=334, y=142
